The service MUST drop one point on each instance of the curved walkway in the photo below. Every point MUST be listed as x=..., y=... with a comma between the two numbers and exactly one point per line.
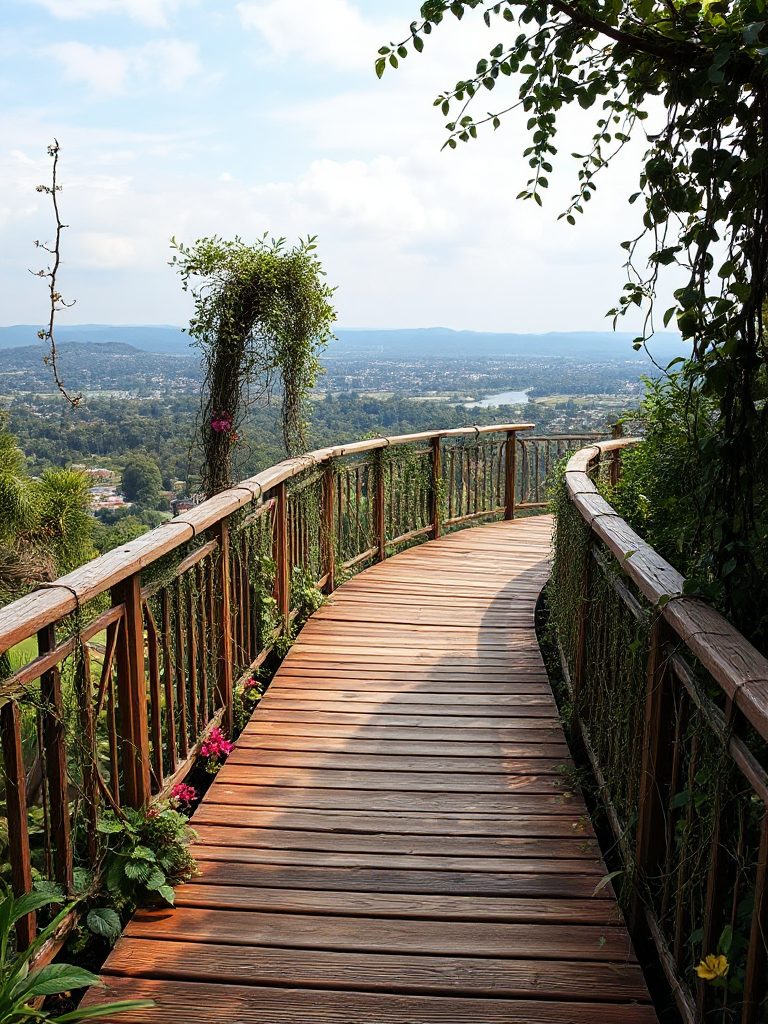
x=394, y=838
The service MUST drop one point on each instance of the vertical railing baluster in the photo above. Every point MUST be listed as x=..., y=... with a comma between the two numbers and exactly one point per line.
x=192, y=631
x=327, y=529
x=282, y=555
x=132, y=693
x=16, y=812
x=170, y=714
x=755, y=979
x=437, y=481
x=155, y=696
x=202, y=580
x=656, y=761
x=181, y=672
x=114, y=759
x=56, y=758
x=84, y=694
x=510, y=473
x=224, y=626
x=379, y=514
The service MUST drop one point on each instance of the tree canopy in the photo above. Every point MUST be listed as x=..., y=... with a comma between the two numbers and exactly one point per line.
x=703, y=182
x=141, y=481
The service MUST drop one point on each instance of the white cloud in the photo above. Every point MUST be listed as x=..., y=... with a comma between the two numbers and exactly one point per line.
x=108, y=72
x=153, y=13
x=330, y=32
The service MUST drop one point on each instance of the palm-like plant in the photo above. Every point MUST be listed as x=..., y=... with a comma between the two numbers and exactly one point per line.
x=20, y=985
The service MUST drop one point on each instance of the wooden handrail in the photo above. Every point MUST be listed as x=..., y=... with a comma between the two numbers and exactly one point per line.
x=648, y=774
x=55, y=600
x=730, y=658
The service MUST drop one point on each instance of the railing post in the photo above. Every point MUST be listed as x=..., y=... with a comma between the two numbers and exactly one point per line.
x=510, y=472
x=281, y=555
x=132, y=693
x=16, y=811
x=437, y=484
x=327, y=531
x=380, y=520
x=656, y=761
x=56, y=761
x=224, y=630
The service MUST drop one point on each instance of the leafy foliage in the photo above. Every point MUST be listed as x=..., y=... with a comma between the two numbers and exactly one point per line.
x=19, y=985
x=703, y=181
x=262, y=316
x=146, y=855
x=45, y=528
x=141, y=481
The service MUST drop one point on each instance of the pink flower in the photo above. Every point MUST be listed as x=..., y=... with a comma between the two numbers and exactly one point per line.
x=184, y=794
x=216, y=745
x=221, y=421
x=250, y=684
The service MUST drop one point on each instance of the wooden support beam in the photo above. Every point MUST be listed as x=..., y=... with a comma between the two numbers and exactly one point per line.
x=132, y=694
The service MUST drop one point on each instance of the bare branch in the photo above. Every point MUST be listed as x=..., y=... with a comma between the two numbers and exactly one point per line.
x=57, y=302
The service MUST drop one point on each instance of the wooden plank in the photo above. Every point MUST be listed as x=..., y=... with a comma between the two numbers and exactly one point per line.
x=368, y=799
x=447, y=883
x=243, y=774
x=424, y=975
x=571, y=848
x=507, y=864
x=457, y=823
x=534, y=763
x=281, y=696
x=366, y=904
x=252, y=1004
x=426, y=749
x=607, y=943
x=541, y=718
x=531, y=729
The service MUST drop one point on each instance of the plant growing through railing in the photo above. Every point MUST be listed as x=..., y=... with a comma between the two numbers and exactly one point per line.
x=146, y=854
x=21, y=984
x=262, y=317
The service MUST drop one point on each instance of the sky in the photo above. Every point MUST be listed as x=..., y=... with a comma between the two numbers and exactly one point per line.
x=187, y=118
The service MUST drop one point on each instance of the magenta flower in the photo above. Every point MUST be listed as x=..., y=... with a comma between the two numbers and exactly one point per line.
x=216, y=745
x=222, y=421
x=184, y=794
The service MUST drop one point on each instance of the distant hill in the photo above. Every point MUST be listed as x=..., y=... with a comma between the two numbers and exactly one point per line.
x=406, y=343
x=161, y=339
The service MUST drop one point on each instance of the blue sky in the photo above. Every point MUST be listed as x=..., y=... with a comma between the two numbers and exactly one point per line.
x=194, y=117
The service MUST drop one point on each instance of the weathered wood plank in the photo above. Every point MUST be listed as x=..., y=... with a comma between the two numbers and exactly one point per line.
x=252, y=1004
x=424, y=975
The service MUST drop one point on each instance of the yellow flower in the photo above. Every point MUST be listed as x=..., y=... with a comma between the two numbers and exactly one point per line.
x=712, y=967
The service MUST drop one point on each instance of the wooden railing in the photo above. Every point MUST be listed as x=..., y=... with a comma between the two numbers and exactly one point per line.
x=120, y=669
x=671, y=704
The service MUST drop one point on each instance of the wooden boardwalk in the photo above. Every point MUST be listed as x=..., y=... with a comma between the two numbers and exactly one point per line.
x=394, y=838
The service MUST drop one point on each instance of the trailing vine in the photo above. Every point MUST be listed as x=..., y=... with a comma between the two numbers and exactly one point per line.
x=262, y=317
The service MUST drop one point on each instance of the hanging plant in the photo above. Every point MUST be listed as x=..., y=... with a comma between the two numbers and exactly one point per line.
x=262, y=317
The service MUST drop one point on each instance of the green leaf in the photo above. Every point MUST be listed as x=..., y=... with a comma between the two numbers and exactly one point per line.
x=51, y=980
x=725, y=940
x=166, y=891
x=105, y=922
x=606, y=879
x=381, y=63
x=103, y=1010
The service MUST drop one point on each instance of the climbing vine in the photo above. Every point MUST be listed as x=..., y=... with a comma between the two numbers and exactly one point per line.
x=263, y=315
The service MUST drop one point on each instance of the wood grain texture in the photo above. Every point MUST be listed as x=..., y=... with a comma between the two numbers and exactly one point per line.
x=396, y=837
